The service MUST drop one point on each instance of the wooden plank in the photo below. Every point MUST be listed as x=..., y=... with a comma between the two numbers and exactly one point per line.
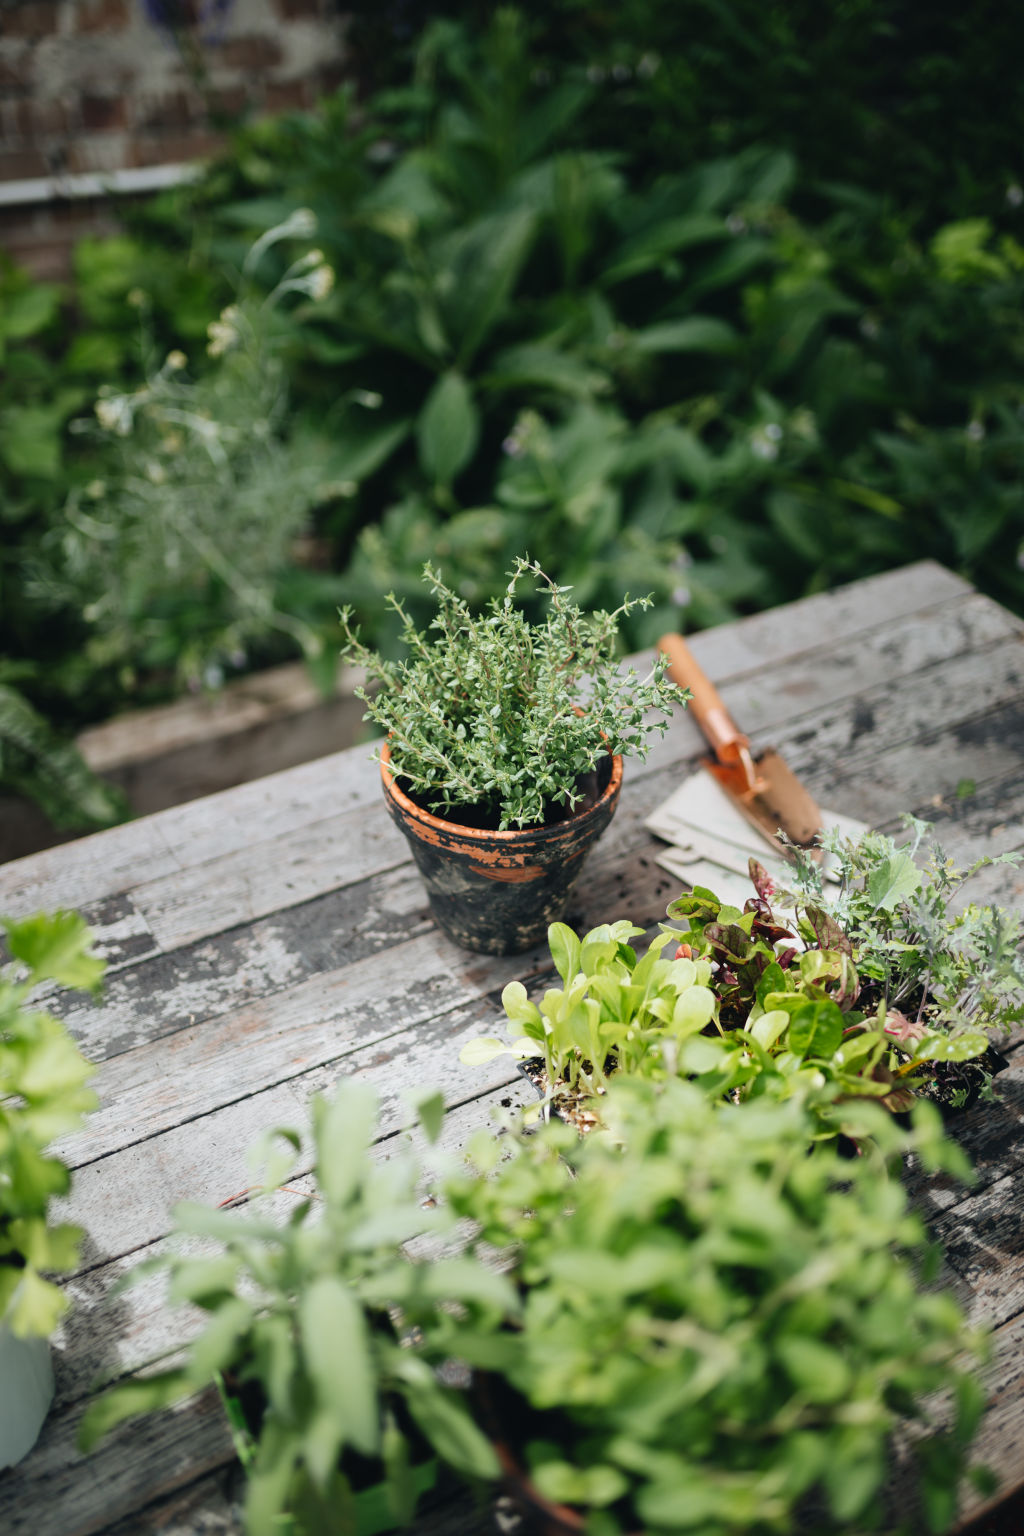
x=1000, y=1442
x=984, y=1244
x=221, y=973
x=998, y=1445
x=273, y=1040
x=123, y=1199
x=298, y=863
x=110, y=862
x=57, y=1492
x=878, y=780
x=211, y=1506
x=919, y=645
x=970, y=693
x=990, y=1134
x=859, y=608
x=277, y=693
x=779, y=686
x=261, y=877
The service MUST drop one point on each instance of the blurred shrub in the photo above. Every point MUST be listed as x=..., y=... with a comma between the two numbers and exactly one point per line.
x=580, y=312
x=646, y=375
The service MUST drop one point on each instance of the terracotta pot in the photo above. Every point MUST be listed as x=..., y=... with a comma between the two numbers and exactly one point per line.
x=496, y=892
x=26, y=1392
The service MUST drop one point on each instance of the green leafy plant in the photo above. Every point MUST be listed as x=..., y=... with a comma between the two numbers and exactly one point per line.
x=840, y=372
x=43, y=1095
x=174, y=552
x=875, y=987
x=323, y=1328
x=717, y=1331
x=37, y=762
x=613, y=1013
x=504, y=717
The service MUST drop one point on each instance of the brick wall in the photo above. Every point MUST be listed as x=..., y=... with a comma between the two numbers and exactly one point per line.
x=96, y=86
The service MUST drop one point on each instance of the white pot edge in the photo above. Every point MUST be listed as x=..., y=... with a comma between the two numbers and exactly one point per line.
x=26, y=1392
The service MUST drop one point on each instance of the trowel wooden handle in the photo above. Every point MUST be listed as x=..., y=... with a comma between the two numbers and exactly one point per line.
x=724, y=736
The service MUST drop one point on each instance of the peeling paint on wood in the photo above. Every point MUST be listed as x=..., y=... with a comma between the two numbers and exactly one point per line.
x=267, y=941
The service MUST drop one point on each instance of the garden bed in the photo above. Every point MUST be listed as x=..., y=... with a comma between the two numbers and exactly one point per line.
x=196, y=746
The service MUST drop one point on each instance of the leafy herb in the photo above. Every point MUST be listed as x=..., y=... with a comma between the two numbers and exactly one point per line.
x=715, y=1328
x=613, y=1013
x=876, y=991
x=506, y=716
x=304, y=1311
x=43, y=1095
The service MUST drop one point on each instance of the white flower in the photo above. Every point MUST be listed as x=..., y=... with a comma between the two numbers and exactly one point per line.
x=762, y=445
x=976, y=431
x=223, y=333
x=175, y=361
x=302, y=223
x=321, y=281
x=115, y=414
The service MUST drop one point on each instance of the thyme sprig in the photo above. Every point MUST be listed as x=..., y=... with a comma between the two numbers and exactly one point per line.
x=491, y=711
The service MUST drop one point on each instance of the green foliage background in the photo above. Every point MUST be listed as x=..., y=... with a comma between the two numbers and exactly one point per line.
x=717, y=301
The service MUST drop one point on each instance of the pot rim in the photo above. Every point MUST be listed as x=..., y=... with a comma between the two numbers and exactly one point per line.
x=512, y=835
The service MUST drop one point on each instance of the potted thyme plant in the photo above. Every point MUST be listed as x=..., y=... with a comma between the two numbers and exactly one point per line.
x=503, y=757
x=716, y=1331
x=873, y=988
x=43, y=1094
x=318, y=1330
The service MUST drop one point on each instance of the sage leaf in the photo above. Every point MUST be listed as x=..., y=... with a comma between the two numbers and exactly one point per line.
x=337, y=1350
x=448, y=428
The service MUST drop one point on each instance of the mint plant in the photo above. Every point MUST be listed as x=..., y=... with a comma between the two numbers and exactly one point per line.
x=507, y=718
x=44, y=1094
x=322, y=1320
x=715, y=1330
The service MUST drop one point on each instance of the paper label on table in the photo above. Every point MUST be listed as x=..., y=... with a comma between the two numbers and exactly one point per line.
x=702, y=803
x=730, y=888
x=712, y=841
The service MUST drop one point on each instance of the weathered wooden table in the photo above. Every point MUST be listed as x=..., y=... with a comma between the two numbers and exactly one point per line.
x=267, y=940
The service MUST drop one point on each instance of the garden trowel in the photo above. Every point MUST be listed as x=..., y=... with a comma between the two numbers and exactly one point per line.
x=767, y=792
